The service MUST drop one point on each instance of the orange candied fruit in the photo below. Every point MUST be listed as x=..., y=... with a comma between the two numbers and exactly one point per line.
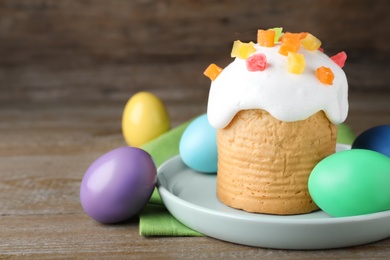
x=303, y=35
x=310, y=42
x=290, y=43
x=266, y=38
x=212, y=71
x=242, y=50
x=325, y=75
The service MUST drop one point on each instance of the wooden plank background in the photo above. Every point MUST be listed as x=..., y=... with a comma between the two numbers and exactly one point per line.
x=107, y=50
x=68, y=67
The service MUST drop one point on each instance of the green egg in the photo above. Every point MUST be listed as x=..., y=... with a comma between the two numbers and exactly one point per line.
x=345, y=134
x=352, y=182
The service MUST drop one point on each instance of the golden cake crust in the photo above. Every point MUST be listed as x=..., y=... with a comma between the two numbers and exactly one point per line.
x=264, y=163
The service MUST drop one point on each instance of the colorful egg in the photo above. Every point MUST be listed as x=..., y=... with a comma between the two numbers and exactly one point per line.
x=376, y=139
x=351, y=182
x=144, y=118
x=118, y=185
x=198, y=146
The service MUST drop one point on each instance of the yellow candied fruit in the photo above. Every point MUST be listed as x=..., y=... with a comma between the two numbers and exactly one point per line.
x=310, y=42
x=266, y=38
x=212, y=71
x=242, y=50
x=295, y=63
x=325, y=75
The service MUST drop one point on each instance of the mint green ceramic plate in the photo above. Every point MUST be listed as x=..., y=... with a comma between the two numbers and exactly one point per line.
x=191, y=198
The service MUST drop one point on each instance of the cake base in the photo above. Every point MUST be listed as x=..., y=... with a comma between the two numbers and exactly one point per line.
x=264, y=163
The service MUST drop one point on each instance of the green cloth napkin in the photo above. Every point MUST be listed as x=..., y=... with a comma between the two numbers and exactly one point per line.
x=155, y=219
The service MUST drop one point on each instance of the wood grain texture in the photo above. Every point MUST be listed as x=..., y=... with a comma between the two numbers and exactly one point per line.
x=67, y=69
x=107, y=50
x=45, y=149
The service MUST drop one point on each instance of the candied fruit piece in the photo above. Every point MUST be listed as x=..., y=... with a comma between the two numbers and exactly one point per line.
x=242, y=50
x=290, y=43
x=303, y=35
x=310, y=42
x=278, y=33
x=256, y=62
x=266, y=38
x=339, y=58
x=212, y=71
x=293, y=37
x=295, y=63
x=286, y=48
x=325, y=75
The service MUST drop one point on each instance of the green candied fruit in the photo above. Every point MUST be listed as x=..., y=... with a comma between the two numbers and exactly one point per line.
x=278, y=33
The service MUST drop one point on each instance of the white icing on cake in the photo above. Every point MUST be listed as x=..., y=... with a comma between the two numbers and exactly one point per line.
x=286, y=96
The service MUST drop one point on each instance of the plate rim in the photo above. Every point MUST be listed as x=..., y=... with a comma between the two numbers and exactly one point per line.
x=265, y=217
x=205, y=219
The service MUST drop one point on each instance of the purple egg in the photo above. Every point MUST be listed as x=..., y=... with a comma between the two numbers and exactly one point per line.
x=118, y=185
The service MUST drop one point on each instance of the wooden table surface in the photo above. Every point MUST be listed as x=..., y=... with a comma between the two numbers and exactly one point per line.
x=45, y=150
x=67, y=69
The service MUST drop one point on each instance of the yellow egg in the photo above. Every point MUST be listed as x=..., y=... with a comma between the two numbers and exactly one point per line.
x=144, y=118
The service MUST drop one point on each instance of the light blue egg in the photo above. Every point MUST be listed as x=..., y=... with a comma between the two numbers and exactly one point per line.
x=198, y=146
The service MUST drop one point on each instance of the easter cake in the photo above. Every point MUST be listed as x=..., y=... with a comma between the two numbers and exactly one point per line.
x=276, y=108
